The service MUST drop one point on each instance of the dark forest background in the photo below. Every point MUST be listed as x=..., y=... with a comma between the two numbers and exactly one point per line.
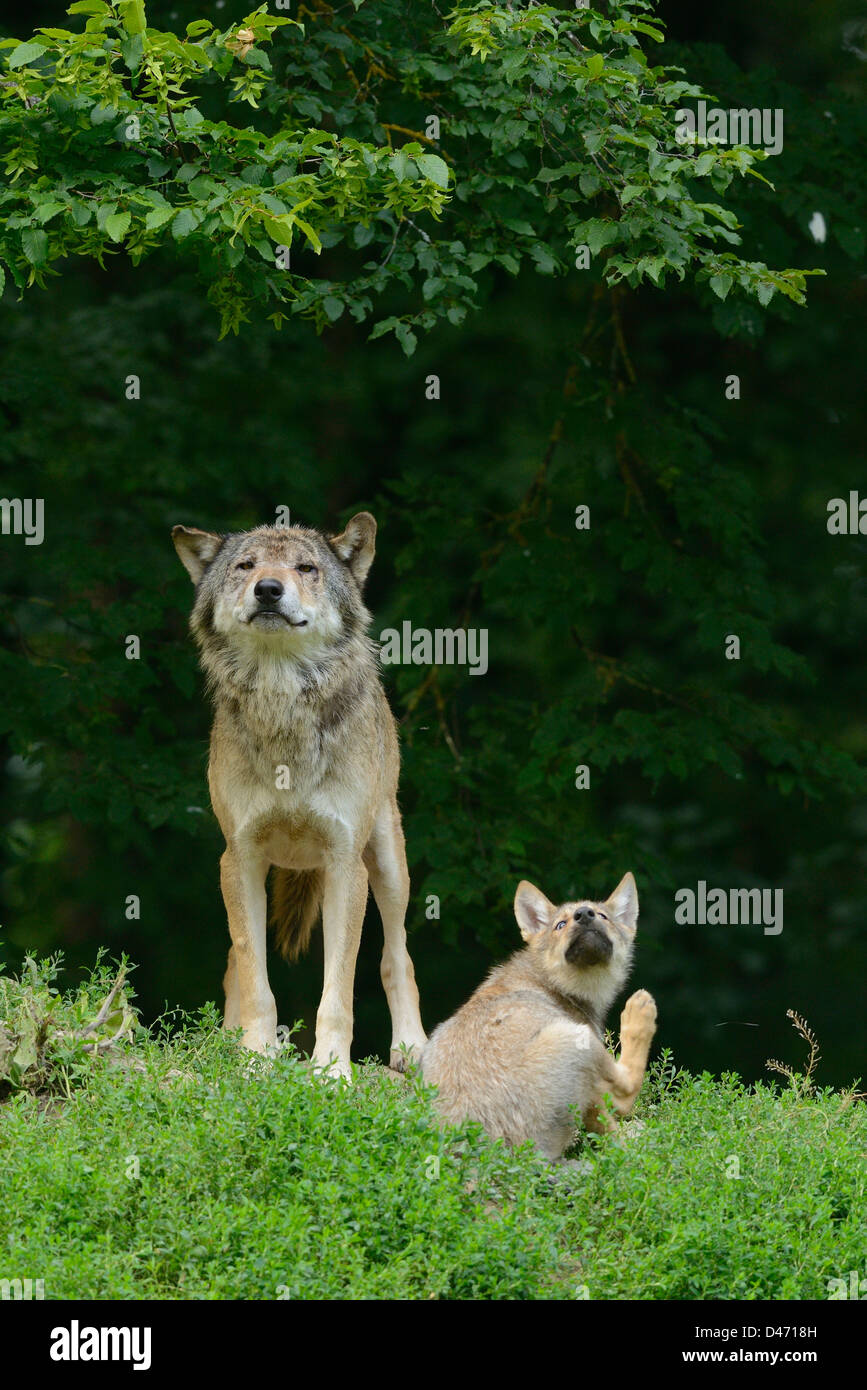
x=708, y=517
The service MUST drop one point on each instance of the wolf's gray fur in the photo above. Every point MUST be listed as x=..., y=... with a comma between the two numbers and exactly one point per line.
x=303, y=768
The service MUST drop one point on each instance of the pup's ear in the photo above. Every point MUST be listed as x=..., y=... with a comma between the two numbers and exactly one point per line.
x=532, y=909
x=196, y=549
x=356, y=545
x=623, y=902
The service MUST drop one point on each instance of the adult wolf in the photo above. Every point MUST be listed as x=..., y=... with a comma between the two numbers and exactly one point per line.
x=527, y=1050
x=303, y=770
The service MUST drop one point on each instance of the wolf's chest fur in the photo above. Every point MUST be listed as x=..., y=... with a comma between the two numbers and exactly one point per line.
x=285, y=748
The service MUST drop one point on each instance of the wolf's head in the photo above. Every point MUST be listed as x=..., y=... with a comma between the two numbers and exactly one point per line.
x=583, y=949
x=281, y=591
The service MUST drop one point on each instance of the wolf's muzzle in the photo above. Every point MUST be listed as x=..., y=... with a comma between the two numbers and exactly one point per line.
x=590, y=945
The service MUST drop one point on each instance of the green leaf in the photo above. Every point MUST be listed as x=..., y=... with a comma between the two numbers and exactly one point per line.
x=514, y=224
x=589, y=183
x=46, y=211
x=595, y=64
x=721, y=284
x=157, y=217
x=765, y=293
x=25, y=1053
x=600, y=232
x=95, y=7
x=406, y=338
x=186, y=221
x=35, y=244
x=25, y=53
x=398, y=162
x=102, y=112
x=379, y=329
x=132, y=14
x=117, y=225
x=132, y=50
x=333, y=307
x=2, y=281
x=433, y=168
x=310, y=234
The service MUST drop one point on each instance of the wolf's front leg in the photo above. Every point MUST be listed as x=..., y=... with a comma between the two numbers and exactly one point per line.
x=343, y=902
x=242, y=878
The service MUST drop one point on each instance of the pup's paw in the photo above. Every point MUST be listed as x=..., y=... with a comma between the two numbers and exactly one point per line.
x=638, y=1020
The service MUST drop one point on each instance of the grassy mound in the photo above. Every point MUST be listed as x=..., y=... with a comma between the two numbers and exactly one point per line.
x=169, y=1164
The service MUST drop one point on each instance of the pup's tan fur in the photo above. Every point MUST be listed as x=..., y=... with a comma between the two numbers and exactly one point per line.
x=303, y=769
x=527, y=1049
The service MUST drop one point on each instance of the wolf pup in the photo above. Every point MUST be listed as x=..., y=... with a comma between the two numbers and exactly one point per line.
x=303, y=770
x=528, y=1046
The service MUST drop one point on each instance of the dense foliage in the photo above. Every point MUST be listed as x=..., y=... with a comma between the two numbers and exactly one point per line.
x=177, y=1170
x=558, y=131
x=601, y=387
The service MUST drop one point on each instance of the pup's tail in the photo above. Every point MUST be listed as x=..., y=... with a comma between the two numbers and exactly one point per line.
x=296, y=897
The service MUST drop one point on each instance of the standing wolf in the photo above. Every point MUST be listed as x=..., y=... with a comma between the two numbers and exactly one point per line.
x=303, y=770
x=528, y=1047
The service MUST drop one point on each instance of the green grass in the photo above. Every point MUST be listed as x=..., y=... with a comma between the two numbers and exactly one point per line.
x=172, y=1166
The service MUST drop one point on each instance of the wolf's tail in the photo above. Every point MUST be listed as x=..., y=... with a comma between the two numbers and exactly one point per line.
x=296, y=898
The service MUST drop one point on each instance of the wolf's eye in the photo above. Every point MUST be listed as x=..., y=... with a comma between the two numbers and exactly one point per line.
x=245, y=565
x=602, y=915
x=558, y=926
x=306, y=569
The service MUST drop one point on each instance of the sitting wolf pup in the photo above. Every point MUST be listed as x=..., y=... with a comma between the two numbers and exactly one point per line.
x=528, y=1046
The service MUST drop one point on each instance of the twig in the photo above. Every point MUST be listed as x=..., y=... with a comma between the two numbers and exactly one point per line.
x=106, y=1008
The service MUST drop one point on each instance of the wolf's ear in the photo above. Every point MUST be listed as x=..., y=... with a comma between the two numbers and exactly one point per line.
x=196, y=549
x=624, y=902
x=532, y=909
x=356, y=545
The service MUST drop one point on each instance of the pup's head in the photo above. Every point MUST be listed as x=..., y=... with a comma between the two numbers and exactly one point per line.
x=285, y=590
x=584, y=948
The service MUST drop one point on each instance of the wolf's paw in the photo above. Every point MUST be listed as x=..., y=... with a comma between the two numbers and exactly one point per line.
x=261, y=1038
x=337, y=1068
x=638, y=1020
x=404, y=1056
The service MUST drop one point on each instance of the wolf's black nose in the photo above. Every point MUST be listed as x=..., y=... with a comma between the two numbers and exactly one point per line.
x=584, y=914
x=268, y=590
